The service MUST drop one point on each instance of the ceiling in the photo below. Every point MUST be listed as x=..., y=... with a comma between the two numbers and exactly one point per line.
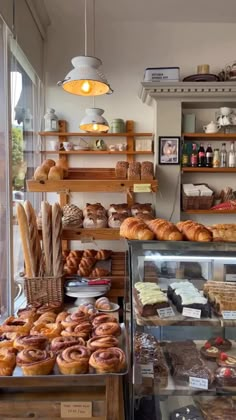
x=146, y=10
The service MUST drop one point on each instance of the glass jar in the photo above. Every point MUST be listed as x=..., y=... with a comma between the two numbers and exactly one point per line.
x=50, y=120
x=117, y=126
x=216, y=158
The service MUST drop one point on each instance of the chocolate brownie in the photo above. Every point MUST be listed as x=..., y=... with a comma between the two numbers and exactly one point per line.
x=149, y=309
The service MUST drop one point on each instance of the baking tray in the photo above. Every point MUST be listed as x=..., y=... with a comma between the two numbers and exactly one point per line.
x=57, y=379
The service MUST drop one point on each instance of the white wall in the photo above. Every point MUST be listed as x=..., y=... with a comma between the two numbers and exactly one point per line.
x=126, y=49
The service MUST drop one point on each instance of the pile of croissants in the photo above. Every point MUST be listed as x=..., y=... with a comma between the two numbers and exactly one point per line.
x=163, y=230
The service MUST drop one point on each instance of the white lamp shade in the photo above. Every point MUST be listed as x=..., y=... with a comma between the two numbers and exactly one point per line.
x=86, y=79
x=93, y=121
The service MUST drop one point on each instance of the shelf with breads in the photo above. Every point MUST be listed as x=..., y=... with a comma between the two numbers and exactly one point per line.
x=209, y=211
x=97, y=152
x=171, y=370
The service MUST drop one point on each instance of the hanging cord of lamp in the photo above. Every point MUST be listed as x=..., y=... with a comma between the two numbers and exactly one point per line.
x=86, y=78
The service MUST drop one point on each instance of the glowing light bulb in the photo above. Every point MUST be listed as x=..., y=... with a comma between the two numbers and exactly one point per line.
x=95, y=127
x=86, y=87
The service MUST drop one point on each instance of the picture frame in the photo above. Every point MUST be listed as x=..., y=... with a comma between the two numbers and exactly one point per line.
x=169, y=150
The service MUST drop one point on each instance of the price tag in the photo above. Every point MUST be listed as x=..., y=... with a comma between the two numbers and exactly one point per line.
x=230, y=277
x=229, y=314
x=147, y=370
x=165, y=312
x=191, y=313
x=199, y=383
x=139, y=188
x=86, y=239
x=74, y=410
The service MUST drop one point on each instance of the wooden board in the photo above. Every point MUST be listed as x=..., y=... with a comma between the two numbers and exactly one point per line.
x=72, y=233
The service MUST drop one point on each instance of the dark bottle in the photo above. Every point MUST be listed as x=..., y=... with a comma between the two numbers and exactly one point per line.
x=194, y=155
x=185, y=156
x=201, y=156
x=209, y=156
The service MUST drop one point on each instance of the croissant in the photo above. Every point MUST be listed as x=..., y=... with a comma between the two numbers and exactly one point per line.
x=132, y=228
x=194, y=231
x=164, y=230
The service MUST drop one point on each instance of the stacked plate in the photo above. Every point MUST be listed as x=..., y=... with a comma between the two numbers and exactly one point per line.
x=82, y=287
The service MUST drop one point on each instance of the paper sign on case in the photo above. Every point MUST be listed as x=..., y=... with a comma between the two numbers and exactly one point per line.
x=199, y=383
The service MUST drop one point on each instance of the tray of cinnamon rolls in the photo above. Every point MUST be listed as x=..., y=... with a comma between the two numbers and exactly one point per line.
x=48, y=340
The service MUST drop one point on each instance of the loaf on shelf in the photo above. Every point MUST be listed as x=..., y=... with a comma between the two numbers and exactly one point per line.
x=224, y=232
x=164, y=230
x=134, y=171
x=147, y=170
x=194, y=231
x=133, y=228
x=145, y=208
x=121, y=169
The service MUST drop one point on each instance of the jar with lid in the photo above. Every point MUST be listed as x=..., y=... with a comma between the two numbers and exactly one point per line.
x=50, y=120
x=216, y=158
x=117, y=126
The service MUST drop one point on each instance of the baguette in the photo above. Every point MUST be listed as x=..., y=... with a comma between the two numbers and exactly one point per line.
x=164, y=230
x=47, y=236
x=56, y=240
x=194, y=231
x=25, y=239
x=34, y=236
x=133, y=228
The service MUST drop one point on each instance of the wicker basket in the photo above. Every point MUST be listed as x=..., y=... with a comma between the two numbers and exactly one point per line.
x=44, y=289
x=197, y=203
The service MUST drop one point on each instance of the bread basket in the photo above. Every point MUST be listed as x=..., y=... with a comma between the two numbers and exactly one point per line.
x=44, y=289
x=197, y=202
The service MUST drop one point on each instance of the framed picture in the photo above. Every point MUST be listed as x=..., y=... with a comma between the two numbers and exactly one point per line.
x=169, y=150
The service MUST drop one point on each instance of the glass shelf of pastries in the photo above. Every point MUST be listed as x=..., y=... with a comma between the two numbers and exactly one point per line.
x=181, y=310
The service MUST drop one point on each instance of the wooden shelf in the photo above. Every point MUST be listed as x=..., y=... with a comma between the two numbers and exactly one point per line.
x=76, y=234
x=215, y=136
x=209, y=211
x=224, y=170
x=67, y=134
x=96, y=152
x=88, y=185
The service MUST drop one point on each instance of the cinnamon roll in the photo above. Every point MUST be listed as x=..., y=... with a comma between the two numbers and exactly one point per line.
x=108, y=328
x=62, y=316
x=30, y=314
x=49, y=331
x=7, y=361
x=108, y=360
x=101, y=318
x=18, y=325
x=74, y=360
x=80, y=330
x=30, y=342
x=61, y=343
x=74, y=319
x=46, y=318
x=36, y=361
x=48, y=307
x=104, y=342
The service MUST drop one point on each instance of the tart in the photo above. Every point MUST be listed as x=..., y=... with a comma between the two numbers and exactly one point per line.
x=225, y=360
x=209, y=351
x=221, y=343
x=225, y=376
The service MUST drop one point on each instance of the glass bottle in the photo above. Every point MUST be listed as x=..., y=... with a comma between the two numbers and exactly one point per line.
x=185, y=156
x=50, y=120
x=216, y=158
x=194, y=155
x=209, y=156
x=223, y=156
x=232, y=156
x=201, y=156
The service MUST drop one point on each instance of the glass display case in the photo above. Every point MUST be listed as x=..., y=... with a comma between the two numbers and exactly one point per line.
x=181, y=310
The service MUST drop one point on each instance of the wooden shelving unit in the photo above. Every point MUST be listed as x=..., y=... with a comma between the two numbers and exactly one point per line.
x=209, y=211
x=210, y=170
x=97, y=152
x=214, y=136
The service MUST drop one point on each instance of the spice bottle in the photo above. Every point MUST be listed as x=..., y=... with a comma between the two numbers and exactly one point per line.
x=216, y=158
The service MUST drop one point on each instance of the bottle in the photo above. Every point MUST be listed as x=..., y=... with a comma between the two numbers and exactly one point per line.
x=50, y=120
x=201, y=156
x=232, y=157
x=223, y=156
x=194, y=155
x=216, y=158
x=209, y=156
x=185, y=156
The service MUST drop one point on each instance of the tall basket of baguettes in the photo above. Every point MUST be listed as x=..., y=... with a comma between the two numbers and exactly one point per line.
x=43, y=281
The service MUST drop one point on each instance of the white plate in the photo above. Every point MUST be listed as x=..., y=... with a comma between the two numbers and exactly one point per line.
x=114, y=307
x=85, y=294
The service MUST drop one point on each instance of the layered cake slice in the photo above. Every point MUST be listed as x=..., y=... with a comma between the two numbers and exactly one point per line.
x=185, y=294
x=148, y=298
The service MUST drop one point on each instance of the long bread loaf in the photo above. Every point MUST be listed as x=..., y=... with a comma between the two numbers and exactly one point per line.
x=56, y=240
x=34, y=236
x=133, y=228
x=164, y=230
x=46, y=211
x=25, y=239
x=194, y=231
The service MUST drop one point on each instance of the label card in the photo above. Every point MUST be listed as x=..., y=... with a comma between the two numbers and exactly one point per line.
x=75, y=410
x=138, y=188
x=230, y=277
x=199, y=383
x=229, y=314
x=191, y=313
x=147, y=370
x=165, y=312
x=86, y=239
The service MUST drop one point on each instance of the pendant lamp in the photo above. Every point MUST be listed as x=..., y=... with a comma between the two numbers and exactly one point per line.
x=86, y=79
x=93, y=121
